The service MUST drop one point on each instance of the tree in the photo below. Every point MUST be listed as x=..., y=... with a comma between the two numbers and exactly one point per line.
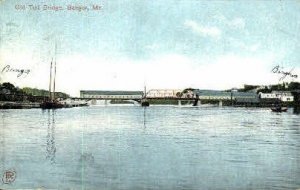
x=40, y=92
x=249, y=87
x=9, y=86
x=265, y=90
x=278, y=87
x=188, y=90
x=294, y=86
x=179, y=94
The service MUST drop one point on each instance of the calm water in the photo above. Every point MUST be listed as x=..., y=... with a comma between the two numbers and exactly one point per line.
x=128, y=147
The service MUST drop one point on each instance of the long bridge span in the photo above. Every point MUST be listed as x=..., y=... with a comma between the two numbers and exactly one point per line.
x=191, y=95
x=195, y=100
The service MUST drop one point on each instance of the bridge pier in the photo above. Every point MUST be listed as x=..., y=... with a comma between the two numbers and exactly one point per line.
x=94, y=102
x=199, y=103
x=220, y=103
x=179, y=102
x=105, y=102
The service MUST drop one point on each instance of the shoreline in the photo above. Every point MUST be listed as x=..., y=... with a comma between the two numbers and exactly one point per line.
x=30, y=105
x=18, y=105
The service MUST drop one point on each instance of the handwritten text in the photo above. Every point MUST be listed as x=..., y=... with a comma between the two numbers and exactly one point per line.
x=20, y=72
x=277, y=69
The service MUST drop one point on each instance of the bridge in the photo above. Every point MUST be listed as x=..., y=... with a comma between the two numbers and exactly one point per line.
x=196, y=97
x=196, y=100
x=191, y=95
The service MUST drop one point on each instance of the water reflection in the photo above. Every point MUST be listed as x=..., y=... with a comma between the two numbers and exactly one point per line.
x=2, y=136
x=111, y=148
x=144, y=118
x=296, y=109
x=51, y=148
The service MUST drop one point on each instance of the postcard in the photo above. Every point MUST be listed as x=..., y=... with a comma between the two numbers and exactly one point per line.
x=139, y=94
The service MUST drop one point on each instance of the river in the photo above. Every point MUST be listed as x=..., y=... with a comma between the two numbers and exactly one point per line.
x=158, y=147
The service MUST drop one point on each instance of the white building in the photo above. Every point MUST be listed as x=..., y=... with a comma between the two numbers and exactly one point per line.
x=280, y=95
x=163, y=93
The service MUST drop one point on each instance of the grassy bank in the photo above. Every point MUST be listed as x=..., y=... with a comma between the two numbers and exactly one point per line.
x=19, y=105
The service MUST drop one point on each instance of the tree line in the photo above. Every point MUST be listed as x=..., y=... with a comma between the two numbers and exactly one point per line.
x=9, y=92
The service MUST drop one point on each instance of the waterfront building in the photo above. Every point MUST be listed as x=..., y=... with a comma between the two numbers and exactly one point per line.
x=284, y=96
x=111, y=94
x=239, y=97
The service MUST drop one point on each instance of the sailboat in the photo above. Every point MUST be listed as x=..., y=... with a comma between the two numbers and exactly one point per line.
x=51, y=103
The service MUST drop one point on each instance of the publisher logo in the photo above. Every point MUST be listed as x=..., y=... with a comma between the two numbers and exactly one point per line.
x=9, y=176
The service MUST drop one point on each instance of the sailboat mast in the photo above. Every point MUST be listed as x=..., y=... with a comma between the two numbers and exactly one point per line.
x=54, y=79
x=50, y=82
x=54, y=73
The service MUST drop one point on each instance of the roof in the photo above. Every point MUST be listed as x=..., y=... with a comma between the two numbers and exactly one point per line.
x=245, y=94
x=101, y=92
x=164, y=90
x=224, y=93
x=212, y=93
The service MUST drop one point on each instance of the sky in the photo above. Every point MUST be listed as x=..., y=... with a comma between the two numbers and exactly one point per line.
x=161, y=44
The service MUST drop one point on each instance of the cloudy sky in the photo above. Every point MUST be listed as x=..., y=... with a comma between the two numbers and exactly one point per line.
x=163, y=44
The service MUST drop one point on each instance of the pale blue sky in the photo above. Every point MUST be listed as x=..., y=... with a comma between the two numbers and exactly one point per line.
x=148, y=33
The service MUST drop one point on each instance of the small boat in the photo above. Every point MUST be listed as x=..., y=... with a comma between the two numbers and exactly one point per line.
x=279, y=109
x=51, y=105
x=145, y=103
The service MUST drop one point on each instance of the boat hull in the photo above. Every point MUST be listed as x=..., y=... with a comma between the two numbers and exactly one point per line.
x=145, y=104
x=51, y=105
x=279, y=109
